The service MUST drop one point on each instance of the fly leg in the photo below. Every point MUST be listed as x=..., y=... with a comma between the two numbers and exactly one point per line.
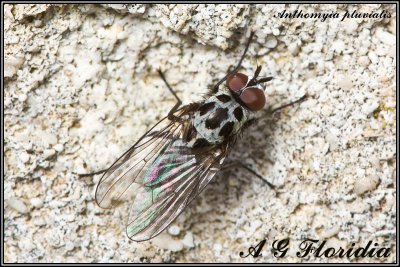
x=215, y=88
x=288, y=104
x=114, y=167
x=90, y=174
x=171, y=115
x=240, y=164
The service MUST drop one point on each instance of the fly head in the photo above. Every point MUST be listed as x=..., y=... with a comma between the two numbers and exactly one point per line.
x=247, y=90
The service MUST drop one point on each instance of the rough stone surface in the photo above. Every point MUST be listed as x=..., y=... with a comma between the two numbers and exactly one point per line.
x=81, y=87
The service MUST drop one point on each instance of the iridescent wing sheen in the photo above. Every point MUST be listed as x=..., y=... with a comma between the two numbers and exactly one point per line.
x=175, y=178
x=123, y=174
x=162, y=174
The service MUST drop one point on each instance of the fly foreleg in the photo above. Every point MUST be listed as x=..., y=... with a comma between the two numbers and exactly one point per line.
x=288, y=104
x=215, y=88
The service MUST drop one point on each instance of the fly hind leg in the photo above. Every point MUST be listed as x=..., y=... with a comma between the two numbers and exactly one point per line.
x=242, y=165
x=82, y=175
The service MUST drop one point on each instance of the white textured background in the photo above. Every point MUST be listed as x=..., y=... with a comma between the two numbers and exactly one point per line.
x=81, y=87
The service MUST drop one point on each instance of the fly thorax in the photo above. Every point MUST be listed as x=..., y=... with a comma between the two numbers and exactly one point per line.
x=218, y=118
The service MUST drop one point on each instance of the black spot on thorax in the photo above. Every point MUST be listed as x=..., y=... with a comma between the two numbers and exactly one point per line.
x=224, y=98
x=206, y=108
x=220, y=115
x=226, y=130
x=238, y=112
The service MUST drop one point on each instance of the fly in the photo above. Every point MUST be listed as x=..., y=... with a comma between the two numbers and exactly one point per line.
x=176, y=159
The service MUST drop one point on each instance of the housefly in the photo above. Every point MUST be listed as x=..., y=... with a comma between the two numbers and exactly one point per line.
x=176, y=159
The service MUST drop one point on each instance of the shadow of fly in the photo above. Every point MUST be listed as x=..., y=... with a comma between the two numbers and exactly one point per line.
x=176, y=159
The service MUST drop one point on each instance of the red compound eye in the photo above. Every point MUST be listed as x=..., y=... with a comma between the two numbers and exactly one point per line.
x=253, y=98
x=236, y=81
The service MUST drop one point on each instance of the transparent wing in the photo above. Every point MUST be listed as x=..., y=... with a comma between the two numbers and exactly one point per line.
x=123, y=174
x=175, y=178
x=161, y=174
